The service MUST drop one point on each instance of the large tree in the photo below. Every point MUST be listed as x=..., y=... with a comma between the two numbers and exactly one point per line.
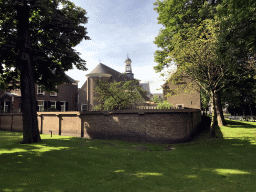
x=194, y=36
x=37, y=41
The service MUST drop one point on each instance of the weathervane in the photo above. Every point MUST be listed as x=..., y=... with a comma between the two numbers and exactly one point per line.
x=127, y=55
x=99, y=60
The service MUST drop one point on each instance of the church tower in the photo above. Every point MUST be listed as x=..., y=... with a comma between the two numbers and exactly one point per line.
x=128, y=67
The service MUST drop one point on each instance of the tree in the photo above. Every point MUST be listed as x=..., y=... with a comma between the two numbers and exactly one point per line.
x=241, y=95
x=194, y=37
x=156, y=99
x=36, y=46
x=116, y=95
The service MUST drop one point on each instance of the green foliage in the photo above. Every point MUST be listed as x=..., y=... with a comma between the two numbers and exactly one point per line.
x=205, y=99
x=177, y=17
x=52, y=109
x=54, y=29
x=212, y=43
x=115, y=95
x=156, y=99
x=164, y=105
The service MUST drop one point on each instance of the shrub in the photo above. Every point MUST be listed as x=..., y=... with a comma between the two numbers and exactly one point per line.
x=52, y=109
x=164, y=105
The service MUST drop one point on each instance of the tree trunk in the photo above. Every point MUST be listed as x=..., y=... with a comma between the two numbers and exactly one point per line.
x=30, y=124
x=219, y=112
x=214, y=116
x=251, y=110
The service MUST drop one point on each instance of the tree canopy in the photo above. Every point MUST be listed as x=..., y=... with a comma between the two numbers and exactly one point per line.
x=37, y=40
x=118, y=95
x=198, y=37
x=56, y=27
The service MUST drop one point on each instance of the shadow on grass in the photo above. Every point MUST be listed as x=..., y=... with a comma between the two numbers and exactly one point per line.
x=241, y=124
x=77, y=164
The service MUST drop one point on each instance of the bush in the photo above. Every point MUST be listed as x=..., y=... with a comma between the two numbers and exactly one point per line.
x=52, y=109
x=164, y=105
x=156, y=99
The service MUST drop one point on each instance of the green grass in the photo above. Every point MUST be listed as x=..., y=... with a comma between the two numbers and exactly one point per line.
x=64, y=163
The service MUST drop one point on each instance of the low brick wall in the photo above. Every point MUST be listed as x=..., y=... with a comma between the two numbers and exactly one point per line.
x=60, y=123
x=11, y=121
x=162, y=126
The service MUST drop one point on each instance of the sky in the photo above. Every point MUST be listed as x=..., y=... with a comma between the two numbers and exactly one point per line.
x=118, y=28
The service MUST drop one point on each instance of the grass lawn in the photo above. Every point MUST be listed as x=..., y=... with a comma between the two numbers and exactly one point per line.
x=62, y=163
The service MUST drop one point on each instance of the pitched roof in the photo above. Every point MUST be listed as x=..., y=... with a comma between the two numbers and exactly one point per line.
x=70, y=79
x=8, y=94
x=102, y=69
x=146, y=87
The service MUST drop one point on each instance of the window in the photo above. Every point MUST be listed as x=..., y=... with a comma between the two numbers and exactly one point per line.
x=53, y=93
x=63, y=106
x=179, y=106
x=39, y=90
x=6, y=106
x=40, y=105
x=83, y=107
x=53, y=104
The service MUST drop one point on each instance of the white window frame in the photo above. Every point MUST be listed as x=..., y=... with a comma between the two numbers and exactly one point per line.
x=63, y=106
x=53, y=93
x=82, y=107
x=39, y=90
x=5, y=107
x=40, y=106
x=182, y=106
x=54, y=105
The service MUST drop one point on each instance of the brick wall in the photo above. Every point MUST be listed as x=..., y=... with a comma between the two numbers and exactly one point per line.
x=142, y=125
x=163, y=126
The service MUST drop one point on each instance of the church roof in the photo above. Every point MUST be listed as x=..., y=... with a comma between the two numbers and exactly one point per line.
x=146, y=87
x=102, y=69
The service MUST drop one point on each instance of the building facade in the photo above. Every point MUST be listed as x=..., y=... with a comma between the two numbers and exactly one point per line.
x=87, y=95
x=64, y=100
x=180, y=96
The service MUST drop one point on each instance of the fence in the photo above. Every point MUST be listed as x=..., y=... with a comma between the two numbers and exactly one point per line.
x=148, y=125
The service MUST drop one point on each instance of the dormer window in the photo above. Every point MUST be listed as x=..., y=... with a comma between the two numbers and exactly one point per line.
x=39, y=90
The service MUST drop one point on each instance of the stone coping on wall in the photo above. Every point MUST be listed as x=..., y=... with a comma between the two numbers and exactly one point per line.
x=9, y=114
x=140, y=111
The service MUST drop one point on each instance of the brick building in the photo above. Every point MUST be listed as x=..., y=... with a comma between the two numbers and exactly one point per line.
x=177, y=94
x=87, y=94
x=63, y=100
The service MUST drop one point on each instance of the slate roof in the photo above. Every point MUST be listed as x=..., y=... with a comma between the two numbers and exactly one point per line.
x=102, y=69
x=146, y=87
x=9, y=95
x=70, y=79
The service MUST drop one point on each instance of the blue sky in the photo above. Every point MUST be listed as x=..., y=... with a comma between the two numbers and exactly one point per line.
x=118, y=27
